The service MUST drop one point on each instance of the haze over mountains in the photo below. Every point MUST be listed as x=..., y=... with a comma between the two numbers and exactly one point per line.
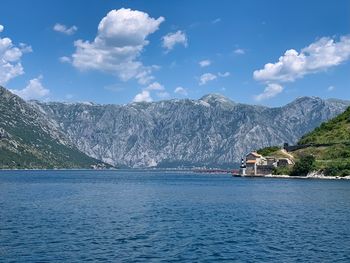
x=211, y=131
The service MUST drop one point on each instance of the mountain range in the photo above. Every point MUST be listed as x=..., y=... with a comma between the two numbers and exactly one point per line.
x=29, y=140
x=213, y=131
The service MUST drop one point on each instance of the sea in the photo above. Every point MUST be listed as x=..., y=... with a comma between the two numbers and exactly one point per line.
x=171, y=216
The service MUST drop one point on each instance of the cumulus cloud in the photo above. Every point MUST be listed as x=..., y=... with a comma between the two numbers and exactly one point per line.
x=34, y=90
x=121, y=37
x=239, y=51
x=269, y=92
x=10, y=59
x=319, y=56
x=204, y=63
x=143, y=96
x=1, y=28
x=64, y=29
x=206, y=77
x=172, y=39
x=155, y=86
x=181, y=91
x=146, y=94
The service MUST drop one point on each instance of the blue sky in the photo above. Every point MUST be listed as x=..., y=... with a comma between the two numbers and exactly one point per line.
x=123, y=51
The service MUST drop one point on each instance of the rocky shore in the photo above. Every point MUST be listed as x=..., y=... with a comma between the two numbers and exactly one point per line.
x=313, y=175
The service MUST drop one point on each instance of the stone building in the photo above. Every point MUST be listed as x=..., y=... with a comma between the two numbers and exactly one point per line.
x=256, y=164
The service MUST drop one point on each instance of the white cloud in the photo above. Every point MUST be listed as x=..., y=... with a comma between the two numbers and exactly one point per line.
x=270, y=91
x=121, y=37
x=10, y=59
x=330, y=88
x=318, y=56
x=224, y=75
x=64, y=29
x=1, y=28
x=34, y=90
x=65, y=59
x=181, y=91
x=143, y=96
x=239, y=51
x=206, y=77
x=172, y=39
x=155, y=86
x=204, y=63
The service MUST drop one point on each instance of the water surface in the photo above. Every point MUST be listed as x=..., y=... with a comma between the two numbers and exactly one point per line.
x=143, y=216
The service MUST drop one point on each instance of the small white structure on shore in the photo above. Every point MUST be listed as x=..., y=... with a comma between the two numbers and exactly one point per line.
x=243, y=167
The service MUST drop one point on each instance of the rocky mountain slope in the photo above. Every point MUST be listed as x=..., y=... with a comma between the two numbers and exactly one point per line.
x=212, y=131
x=29, y=140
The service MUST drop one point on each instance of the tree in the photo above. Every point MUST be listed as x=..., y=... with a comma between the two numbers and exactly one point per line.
x=305, y=165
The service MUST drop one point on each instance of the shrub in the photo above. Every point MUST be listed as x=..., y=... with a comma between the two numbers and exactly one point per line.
x=268, y=150
x=331, y=171
x=282, y=170
x=305, y=165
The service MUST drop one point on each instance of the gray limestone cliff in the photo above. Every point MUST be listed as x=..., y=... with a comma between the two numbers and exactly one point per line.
x=212, y=131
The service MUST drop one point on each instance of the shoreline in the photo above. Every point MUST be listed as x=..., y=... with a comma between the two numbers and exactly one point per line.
x=309, y=176
x=313, y=175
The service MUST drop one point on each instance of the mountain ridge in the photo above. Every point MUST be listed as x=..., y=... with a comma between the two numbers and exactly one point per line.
x=29, y=140
x=210, y=131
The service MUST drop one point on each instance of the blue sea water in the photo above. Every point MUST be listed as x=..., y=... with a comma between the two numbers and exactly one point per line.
x=143, y=216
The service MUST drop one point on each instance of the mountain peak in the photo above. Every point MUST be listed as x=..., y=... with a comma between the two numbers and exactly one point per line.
x=215, y=98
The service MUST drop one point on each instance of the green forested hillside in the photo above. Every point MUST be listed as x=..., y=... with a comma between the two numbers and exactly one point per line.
x=29, y=140
x=330, y=145
x=336, y=130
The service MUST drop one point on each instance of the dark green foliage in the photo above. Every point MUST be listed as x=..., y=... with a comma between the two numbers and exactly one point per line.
x=331, y=146
x=268, y=150
x=282, y=170
x=27, y=140
x=337, y=169
x=336, y=130
x=305, y=165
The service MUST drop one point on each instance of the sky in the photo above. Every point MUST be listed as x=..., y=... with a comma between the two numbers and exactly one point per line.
x=116, y=52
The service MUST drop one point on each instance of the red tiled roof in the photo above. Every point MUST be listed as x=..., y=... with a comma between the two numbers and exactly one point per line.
x=251, y=161
x=255, y=154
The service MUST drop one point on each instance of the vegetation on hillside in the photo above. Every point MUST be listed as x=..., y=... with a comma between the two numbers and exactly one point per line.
x=336, y=130
x=28, y=141
x=303, y=166
x=267, y=151
x=329, y=150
